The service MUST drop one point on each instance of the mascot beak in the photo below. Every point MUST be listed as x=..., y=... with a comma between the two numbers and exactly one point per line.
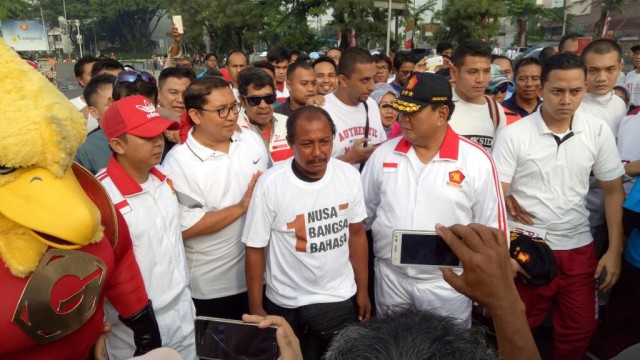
x=57, y=210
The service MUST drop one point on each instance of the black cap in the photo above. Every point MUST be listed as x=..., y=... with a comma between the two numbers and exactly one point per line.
x=422, y=89
x=535, y=257
x=635, y=48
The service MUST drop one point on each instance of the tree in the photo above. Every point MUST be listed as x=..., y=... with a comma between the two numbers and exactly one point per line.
x=132, y=21
x=524, y=12
x=17, y=9
x=414, y=13
x=469, y=19
x=369, y=23
x=606, y=6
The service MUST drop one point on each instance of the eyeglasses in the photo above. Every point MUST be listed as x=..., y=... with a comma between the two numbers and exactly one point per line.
x=492, y=90
x=225, y=111
x=256, y=100
x=132, y=76
x=382, y=68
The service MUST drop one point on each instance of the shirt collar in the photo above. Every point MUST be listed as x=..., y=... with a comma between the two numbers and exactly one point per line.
x=577, y=123
x=448, y=149
x=124, y=182
x=201, y=151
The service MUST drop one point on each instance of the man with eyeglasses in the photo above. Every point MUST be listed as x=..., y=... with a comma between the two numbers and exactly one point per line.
x=403, y=65
x=213, y=174
x=257, y=96
x=383, y=68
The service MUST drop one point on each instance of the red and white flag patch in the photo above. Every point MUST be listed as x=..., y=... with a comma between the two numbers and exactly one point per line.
x=389, y=167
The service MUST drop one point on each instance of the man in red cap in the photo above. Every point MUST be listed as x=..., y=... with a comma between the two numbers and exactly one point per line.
x=146, y=199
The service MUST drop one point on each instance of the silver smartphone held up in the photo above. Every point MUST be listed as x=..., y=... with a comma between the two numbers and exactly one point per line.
x=177, y=21
x=421, y=248
x=233, y=340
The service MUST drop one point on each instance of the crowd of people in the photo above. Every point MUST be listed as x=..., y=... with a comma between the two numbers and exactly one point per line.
x=273, y=189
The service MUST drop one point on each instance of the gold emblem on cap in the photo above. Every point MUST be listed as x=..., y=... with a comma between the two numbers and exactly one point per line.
x=404, y=106
x=407, y=93
x=439, y=98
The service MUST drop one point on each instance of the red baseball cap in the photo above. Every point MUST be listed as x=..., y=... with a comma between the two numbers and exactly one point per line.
x=135, y=115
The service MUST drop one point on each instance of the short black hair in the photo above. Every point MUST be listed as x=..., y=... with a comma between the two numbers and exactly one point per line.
x=278, y=54
x=307, y=112
x=78, y=68
x=601, y=47
x=326, y=59
x=212, y=73
x=524, y=62
x=175, y=72
x=124, y=89
x=253, y=76
x=195, y=97
x=382, y=57
x=562, y=61
x=470, y=47
x=264, y=65
x=351, y=57
x=494, y=57
x=106, y=64
x=210, y=55
x=95, y=85
x=335, y=48
x=402, y=58
x=569, y=36
x=294, y=52
x=546, y=53
x=297, y=65
x=442, y=46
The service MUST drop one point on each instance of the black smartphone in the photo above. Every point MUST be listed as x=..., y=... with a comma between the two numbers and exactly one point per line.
x=424, y=248
x=234, y=340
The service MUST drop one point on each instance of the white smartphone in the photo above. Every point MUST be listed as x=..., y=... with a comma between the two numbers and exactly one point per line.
x=421, y=248
x=435, y=61
x=177, y=21
x=232, y=339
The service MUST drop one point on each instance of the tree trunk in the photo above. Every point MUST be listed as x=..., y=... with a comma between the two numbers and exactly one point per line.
x=522, y=31
x=599, y=25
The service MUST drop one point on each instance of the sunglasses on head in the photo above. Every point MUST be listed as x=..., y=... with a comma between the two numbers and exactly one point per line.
x=132, y=76
x=492, y=90
x=256, y=100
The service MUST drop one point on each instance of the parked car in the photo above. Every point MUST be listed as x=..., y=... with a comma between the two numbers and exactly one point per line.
x=532, y=52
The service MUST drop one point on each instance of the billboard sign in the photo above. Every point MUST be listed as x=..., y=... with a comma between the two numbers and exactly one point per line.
x=25, y=35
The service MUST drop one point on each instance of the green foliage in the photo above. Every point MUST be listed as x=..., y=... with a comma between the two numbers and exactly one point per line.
x=524, y=12
x=370, y=23
x=14, y=9
x=468, y=19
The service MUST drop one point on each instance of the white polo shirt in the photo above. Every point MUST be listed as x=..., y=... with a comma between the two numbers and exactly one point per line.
x=628, y=145
x=459, y=185
x=305, y=228
x=610, y=108
x=350, y=123
x=551, y=180
x=153, y=217
x=474, y=121
x=207, y=180
x=277, y=146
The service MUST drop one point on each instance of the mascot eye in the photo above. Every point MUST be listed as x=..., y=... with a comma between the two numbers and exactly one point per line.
x=6, y=170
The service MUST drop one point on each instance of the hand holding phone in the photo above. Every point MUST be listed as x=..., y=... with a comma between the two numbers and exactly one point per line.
x=435, y=61
x=227, y=339
x=177, y=21
x=421, y=248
